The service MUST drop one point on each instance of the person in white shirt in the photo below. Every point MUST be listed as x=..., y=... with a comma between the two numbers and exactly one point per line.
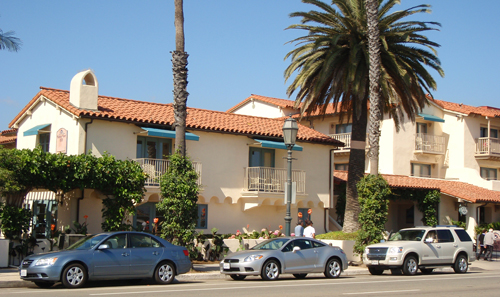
x=489, y=241
x=309, y=231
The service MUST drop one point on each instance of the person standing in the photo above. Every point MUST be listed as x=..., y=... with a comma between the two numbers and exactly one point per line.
x=480, y=248
x=488, y=242
x=309, y=231
x=299, y=229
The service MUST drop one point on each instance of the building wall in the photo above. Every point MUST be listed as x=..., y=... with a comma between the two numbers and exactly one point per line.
x=260, y=109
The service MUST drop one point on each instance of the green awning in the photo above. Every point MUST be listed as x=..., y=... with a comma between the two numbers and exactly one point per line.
x=168, y=133
x=432, y=118
x=277, y=145
x=35, y=130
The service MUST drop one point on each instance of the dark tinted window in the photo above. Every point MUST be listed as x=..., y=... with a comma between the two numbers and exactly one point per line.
x=445, y=236
x=318, y=244
x=462, y=235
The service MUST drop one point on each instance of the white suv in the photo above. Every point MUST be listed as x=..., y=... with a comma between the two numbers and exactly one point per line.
x=421, y=248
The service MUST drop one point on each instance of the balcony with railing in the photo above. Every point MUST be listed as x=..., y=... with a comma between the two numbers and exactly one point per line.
x=429, y=144
x=346, y=139
x=272, y=180
x=487, y=148
x=155, y=168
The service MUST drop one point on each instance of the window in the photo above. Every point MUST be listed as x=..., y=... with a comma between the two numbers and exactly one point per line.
x=445, y=236
x=146, y=219
x=421, y=170
x=302, y=214
x=488, y=173
x=201, y=223
x=344, y=167
x=343, y=128
x=143, y=241
x=261, y=157
x=153, y=148
x=422, y=128
x=484, y=132
x=118, y=241
x=44, y=141
x=462, y=235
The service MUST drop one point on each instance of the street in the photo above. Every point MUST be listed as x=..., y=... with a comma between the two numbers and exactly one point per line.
x=437, y=284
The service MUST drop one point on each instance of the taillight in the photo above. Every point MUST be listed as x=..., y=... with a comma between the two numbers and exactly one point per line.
x=186, y=253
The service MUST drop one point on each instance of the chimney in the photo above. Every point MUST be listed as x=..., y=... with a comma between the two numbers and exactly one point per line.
x=84, y=90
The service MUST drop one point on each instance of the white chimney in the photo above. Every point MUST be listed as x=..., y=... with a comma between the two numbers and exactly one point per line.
x=84, y=90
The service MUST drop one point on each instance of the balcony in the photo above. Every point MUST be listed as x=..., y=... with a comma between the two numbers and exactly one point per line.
x=487, y=148
x=429, y=144
x=155, y=168
x=346, y=139
x=272, y=180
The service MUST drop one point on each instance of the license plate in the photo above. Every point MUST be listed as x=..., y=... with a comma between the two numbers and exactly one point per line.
x=24, y=272
x=227, y=265
x=374, y=262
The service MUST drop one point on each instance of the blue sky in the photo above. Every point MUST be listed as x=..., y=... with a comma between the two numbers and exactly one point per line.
x=236, y=49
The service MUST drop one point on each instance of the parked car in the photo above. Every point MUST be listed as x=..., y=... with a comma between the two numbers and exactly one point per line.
x=105, y=256
x=296, y=255
x=423, y=248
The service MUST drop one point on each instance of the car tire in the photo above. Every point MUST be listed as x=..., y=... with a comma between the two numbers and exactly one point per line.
x=333, y=268
x=300, y=275
x=461, y=265
x=426, y=270
x=410, y=265
x=270, y=270
x=44, y=285
x=396, y=271
x=165, y=273
x=375, y=271
x=237, y=276
x=74, y=276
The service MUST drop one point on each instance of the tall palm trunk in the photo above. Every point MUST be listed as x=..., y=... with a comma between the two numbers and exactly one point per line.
x=179, y=69
x=356, y=165
x=374, y=78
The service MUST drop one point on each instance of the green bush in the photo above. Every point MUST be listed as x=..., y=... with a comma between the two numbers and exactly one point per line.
x=338, y=235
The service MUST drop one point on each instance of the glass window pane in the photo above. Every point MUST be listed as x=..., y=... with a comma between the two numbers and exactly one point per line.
x=140, y=241
x=151, y=147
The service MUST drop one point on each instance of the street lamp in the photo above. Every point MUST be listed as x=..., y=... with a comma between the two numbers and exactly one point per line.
x=290, y=129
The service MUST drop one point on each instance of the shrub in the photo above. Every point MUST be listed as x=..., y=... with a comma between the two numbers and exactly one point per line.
x=338, y=235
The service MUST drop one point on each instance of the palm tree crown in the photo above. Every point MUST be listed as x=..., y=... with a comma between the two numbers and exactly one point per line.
x=9, y=41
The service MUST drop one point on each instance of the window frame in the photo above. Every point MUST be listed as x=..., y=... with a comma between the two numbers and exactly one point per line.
x=488, y=170
x=422, y=165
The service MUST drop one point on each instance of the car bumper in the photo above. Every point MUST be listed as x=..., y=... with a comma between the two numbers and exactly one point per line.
x=243, y=268
x=184, y=266
x=390, y=261
x=42, y=273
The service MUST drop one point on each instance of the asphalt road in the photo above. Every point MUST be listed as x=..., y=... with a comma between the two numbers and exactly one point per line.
x=437, y=284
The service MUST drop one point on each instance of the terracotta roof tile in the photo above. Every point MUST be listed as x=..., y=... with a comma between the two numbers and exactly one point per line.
x=162, y=114
x=8, y=136
x=456, y=189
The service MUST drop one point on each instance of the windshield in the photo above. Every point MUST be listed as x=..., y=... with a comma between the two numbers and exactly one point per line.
x=87, y=242
x=408, y=235
x=271, y=244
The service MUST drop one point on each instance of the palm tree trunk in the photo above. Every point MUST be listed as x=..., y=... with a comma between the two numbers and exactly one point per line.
x=179, y=69
x=356, y=165
x=374, y=78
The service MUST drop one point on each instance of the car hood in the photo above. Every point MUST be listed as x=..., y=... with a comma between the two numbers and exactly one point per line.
x=54, y=254
x=246, y=253
x=393, y=243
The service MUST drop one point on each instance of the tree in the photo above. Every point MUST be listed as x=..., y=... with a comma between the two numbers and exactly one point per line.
x=179, y=191
x=9, y=41
x=179, y=68
x=374, y=78
x=332, y=65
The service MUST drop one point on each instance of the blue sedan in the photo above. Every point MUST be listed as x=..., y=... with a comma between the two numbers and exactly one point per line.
x=105, y=256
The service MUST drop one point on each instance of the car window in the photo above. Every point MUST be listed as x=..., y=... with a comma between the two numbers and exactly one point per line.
x=304, y=244
x=118, y=241
x=87, y=242
x=288, y=247
x=408, y=235
x=431, y=235
x=271, y=244
x=318, y=244
x=143, y=241
x=445, y=236
x=462, y=235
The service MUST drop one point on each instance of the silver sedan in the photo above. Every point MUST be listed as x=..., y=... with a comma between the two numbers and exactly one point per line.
x=295, y=255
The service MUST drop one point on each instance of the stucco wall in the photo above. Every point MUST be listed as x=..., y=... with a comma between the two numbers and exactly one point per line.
x=260, y=109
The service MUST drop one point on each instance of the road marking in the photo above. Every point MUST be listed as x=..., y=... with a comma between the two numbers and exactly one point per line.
x=380, y=292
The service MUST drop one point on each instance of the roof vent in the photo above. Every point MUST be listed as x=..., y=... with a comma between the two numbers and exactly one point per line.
x=84, y=90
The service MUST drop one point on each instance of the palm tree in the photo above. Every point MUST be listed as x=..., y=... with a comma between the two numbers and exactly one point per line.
x=179, y=69
x=374, y=78
x=9, y=41
x=332, y=65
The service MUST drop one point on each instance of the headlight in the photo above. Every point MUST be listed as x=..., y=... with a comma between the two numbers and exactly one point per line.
x=253, y=258
x=395, y=250
x=46, y=261
x=366, y=251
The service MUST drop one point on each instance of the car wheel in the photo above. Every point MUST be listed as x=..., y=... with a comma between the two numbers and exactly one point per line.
x=461, y=265
x=74, y=276
x=410, y=265
x=237, y=276
x=396, y=271
x=426, y=270
x=44, y=284
x=375, y=271
x=300, y=275
x=270, y=270
x=333, y=268
x=165, y=273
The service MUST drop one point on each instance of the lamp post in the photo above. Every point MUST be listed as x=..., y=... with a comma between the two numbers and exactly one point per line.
x=290, y=129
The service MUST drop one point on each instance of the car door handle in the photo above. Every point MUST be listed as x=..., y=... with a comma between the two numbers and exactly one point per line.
x=438, y=246
x=455, y=245
x=125, y=254
x=156, y=253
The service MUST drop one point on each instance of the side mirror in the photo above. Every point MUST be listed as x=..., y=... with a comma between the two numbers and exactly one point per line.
x=296, y=249
x=429, y=240
x=103, y=247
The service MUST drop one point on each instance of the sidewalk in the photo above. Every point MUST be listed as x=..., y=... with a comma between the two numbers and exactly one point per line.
x=9, y=277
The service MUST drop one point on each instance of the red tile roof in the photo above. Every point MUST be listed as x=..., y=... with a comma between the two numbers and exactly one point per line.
x=456, y=189
x=148, y=113
x=486, y=111
x=8, y=136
